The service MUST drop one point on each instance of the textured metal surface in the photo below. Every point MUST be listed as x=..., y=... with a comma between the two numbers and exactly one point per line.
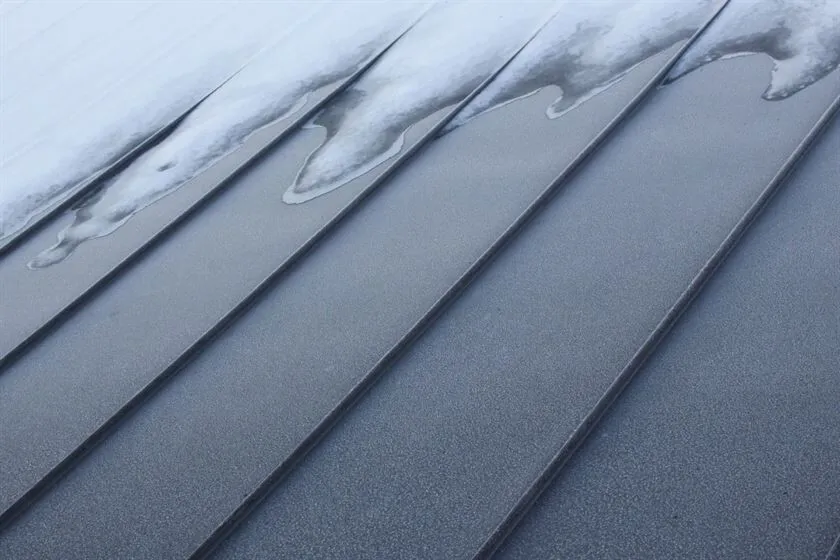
x=135, y=398
x=437, y=453
x=435, y=360
x=362, y=289
x=726, y=444
x=834, y=553
x=40, y=300
x=33, y=297
x=615, y=389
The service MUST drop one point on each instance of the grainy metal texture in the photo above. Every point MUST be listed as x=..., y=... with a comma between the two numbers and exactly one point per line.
x=141, y=252
x=330, y=420
x=101, y=433
x=723, y=446
x=43, y=485
x=431, y=444
x=834, y=553
x=361, y=290
x=432, y=458
x=625, y=377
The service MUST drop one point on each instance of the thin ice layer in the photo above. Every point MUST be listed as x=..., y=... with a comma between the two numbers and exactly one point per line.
x=102, y=104
x=273, y=86
x=586, y=48
x=589, y=46
x=801, y=36
x=448, y=54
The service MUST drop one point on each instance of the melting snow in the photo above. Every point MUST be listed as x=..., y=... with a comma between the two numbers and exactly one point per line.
x=273, y=86
x=81, y=83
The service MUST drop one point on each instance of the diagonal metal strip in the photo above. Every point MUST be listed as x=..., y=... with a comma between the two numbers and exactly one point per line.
x=164, y=233
x=62, y=468
x=578, y=437
x=32, y=495
x=96, y=181
x=255, y=498
x=834, y=553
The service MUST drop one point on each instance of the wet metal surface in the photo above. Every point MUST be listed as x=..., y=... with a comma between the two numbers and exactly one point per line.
x=286, y=364
x=271, y=86
x=437, y=453
x=33, y=296
x=105, y=352
x=725, y=446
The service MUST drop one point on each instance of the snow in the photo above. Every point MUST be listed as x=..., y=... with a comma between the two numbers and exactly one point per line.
x=98, y=103
x=81, y=83
x=271, y=87
x=801, y=36
x=448, y=54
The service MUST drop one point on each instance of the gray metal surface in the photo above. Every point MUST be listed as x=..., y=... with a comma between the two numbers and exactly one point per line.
x=834, y=553
x=594, y=415
x=726, y=444
x=435, y=455
x=31, y=297
x=292, y=357
x=144, y=320
x=402, y=367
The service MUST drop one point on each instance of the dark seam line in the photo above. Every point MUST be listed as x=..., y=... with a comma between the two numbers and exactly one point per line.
x=22, y=504
x=173, y=226
x=89, y=186
x=625, y=377
x=834, y=553
x=322, y=429
x=70, y=461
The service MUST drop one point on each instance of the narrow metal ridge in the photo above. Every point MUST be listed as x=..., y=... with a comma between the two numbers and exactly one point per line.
x=101, y=433
x=31, y=496
x=90, y=185
x=173, y=226
x=323, y=428
x=578, y=437
x=95, y=181
x=834, y=553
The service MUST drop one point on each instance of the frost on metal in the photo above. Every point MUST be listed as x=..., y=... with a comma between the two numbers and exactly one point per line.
x=273, y=86
x=584, y=49
x=801, y=36
x=74, y=106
